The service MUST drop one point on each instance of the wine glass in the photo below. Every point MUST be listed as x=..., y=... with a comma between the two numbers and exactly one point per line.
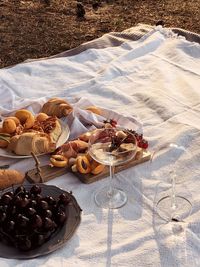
x=174, y=160
x=112, y=147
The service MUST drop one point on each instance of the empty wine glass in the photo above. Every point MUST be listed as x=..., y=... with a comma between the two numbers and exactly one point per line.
x=174, y=161
x=112, y=147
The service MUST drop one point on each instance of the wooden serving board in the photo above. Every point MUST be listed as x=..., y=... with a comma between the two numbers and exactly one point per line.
x=48, y=173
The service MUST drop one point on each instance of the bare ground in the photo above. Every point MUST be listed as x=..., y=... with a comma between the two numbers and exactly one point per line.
x=40, y=28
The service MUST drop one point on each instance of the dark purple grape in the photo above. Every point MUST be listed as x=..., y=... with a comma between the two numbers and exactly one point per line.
x=47, y=235
x=47, y=213
x=23, y=202
x=6, y=239
x=23, y=243
x=50, y=200
x=54, y=208
x=43, y=205
x=64, y=199
x=35, y=189
x=10, y=193
x=48, y=224
x=38, y=198
x=6, y=199
x=19, y=216
x=38, y=239
x=61, y=207
x=3, y=208
x=33, y=203
x=26, y=196
x=10, y=226
x=2, y=217
x=22, y=220
x=61, y=217
x=13, y=210
x=19, y=190
x=32, y=196
x=36, y=221
x=31, y=211
x=17, y=201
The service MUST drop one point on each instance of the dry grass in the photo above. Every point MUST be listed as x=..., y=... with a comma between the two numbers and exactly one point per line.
x=33, y=28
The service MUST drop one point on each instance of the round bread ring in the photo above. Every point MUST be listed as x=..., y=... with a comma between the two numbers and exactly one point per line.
x=26, y=118
x=59, y=161
x=83, y=164
x=99, y=168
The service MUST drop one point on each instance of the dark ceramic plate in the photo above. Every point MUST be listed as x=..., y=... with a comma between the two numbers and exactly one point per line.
x=59, y=238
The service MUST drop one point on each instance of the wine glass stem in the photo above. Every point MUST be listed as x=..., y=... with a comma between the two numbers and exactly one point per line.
x=173, y=196
x=110, y=191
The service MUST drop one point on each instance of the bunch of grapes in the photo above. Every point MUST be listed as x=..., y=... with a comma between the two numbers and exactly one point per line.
x=141, y=142
x=28, y=219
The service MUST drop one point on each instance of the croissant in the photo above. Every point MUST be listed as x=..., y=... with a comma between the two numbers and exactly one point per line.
x=35, y=142
x=57, y=107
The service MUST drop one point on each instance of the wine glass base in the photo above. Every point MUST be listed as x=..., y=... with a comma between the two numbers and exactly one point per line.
x=178, y=213
x=104, y=200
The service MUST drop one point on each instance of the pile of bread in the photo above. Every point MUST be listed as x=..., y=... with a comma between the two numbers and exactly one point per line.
x=25, y=132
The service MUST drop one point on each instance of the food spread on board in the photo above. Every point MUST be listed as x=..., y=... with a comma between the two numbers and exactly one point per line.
x=28, y=218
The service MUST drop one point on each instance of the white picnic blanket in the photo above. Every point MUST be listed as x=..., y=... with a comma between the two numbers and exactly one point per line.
x=156, y=78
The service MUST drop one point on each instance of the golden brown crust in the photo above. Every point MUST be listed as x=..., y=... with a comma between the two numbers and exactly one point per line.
x=9, y=126
x=25, y=117
x=41, y=117
x=10, y=177
x=94, y=109
x=15, y=119
x=59, y=161
x=26, y=143
x=57, y=107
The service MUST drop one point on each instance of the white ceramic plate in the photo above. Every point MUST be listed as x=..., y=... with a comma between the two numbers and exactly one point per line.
x=62, y=139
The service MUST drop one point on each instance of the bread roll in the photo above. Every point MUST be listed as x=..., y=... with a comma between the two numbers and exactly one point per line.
x=10, y=177
x=9, y=126
x=57, y=107
x=95, y=110
x=26, y=143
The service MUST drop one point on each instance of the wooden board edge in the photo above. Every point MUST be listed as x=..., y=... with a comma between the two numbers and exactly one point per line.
x=90, y=178
x=50, y=173
x=47, y=172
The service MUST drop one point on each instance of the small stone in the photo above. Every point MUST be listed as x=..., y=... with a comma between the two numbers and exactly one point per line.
x=95, y=5
x=160, y=22
x=80, y=10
